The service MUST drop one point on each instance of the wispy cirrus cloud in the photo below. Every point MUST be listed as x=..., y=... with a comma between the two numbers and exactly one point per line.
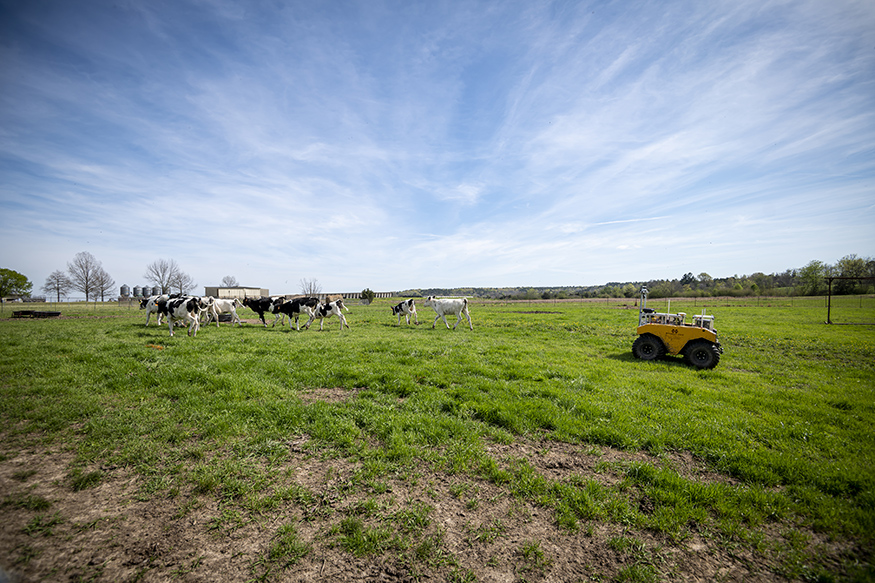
x=490, y=143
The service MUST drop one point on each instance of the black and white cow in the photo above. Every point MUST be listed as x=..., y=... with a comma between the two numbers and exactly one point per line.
x=150, y=304
x=260, y=306
x=296, y=307
x=186, y=309
x=323, y=311
x=406, y=309
x=456, y=306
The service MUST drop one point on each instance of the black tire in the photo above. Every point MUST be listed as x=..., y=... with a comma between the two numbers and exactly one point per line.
x=702, y=354
x=648, y=347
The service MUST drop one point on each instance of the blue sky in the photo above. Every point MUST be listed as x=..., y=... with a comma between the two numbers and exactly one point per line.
x=406, y=144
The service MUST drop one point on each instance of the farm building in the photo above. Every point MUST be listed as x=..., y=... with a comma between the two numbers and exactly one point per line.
x=239, y=291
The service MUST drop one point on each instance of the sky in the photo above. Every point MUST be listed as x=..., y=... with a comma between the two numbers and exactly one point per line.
x=418, y=144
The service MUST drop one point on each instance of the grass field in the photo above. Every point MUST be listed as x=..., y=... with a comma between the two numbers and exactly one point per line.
x=533, y=448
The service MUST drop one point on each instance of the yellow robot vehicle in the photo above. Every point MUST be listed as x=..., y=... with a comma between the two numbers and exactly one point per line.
x=660, y=334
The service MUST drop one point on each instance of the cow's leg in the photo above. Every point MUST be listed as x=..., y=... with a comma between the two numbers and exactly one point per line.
x=170, y=324
x=234, y=316
x=444, y=318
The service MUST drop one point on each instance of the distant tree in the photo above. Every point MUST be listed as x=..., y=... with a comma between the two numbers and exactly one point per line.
x=849, y=266
x=229, y=281
x=161, y=273
x=368, y=295
x=57, y=284
x=182, y=282
x=103, y=283
x=14, y=283
x=84, y=271
x=812, y=278
x=310, y=287
x=688, y=279
x=786, y=279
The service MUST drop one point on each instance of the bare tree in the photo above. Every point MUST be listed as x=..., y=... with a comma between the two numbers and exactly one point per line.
x=182, y=282
x=161, y=274
x=310, y=287
x=229, y=281
x=103, y=283
x=84, y=273
x=57, y=284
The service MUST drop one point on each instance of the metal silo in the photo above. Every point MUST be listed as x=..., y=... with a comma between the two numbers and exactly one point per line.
x=125, y=291
x=138, y=291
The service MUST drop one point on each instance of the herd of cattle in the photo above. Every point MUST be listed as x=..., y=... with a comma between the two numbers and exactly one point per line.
x=188, y=311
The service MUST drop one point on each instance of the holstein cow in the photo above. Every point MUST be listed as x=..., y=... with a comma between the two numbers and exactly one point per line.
x=220, y=306
x=150, y=304
x=449, y=306
x=323, y=311
x=186, y=308
x=406, y=309
x=259, y=306
x=277, y=301
x=296, y=307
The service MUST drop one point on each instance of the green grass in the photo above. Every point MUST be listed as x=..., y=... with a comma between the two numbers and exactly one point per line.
x=786, y=417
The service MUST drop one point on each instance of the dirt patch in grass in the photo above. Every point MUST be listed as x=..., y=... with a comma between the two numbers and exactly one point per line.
x=559, y=461
x=327, y=395
x=59, y=525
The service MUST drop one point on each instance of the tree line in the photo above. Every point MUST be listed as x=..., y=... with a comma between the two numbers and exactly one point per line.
x=86, y=275
x=810, y=280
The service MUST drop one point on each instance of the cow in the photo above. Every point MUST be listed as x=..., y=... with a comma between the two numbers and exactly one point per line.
x=150, y=304
x=221, y=306
x=323, y=311
x=296, y=307
x=259, y=306
x=185, y=308
x=406, y=308
x=448, y=306
x=275, y=309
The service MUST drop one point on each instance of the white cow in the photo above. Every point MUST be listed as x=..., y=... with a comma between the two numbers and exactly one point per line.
x=406, y=308
x=222, y=306
x=186, y=308
x=448, y=306
x=323, y=311
x=150, y=304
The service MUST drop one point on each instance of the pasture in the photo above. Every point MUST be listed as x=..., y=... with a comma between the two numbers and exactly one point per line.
x=533, y=448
